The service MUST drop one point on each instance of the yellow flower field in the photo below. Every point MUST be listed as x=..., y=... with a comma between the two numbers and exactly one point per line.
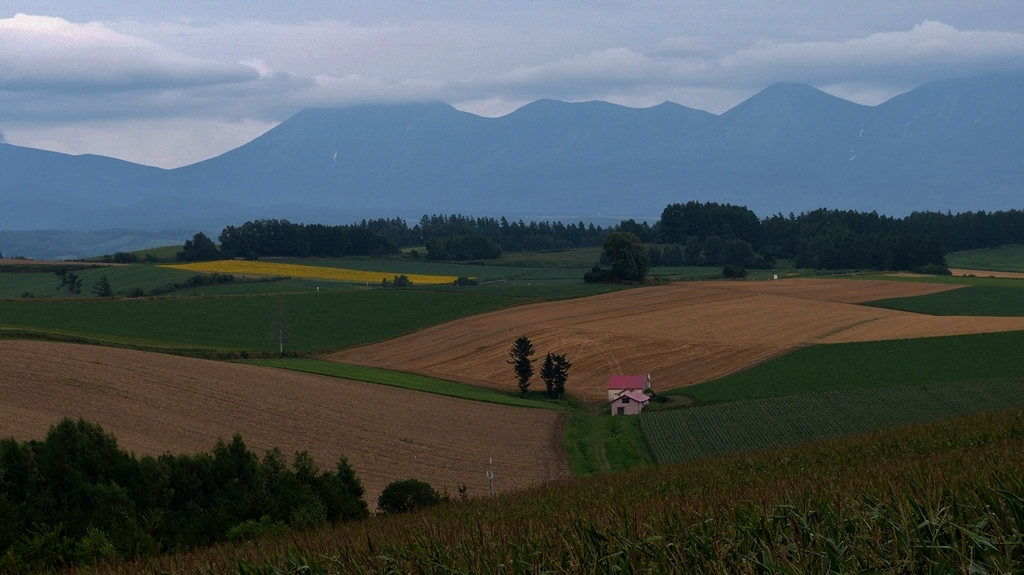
x=258, y=268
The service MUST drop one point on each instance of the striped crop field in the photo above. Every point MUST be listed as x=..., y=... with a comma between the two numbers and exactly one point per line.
x=682, y=435
x=257, y=268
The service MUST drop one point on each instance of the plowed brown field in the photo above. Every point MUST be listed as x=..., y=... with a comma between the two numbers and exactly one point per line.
x=682, y=333
x=986, y=273
x=155, y=403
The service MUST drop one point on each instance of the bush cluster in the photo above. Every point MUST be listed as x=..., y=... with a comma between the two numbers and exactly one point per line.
x=192, y=282
x=76, y=496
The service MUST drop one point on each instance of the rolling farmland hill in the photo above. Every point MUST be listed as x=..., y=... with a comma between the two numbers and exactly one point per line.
x=155, y=403
x=755, y=424
x=683, y=333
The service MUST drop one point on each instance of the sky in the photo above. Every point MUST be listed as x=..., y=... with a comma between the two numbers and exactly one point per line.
x=172, y=83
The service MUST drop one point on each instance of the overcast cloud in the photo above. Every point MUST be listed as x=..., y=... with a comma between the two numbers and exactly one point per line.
x=172, y=83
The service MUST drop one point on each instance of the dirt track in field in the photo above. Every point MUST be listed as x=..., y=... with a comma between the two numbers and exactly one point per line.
x=682, y=333
x=155, y=403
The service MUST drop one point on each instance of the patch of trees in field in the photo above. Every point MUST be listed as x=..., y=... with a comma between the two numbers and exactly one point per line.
x=77, y=497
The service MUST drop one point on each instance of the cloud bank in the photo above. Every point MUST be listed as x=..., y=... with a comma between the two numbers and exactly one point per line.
x=55, y=72
x=52, y=54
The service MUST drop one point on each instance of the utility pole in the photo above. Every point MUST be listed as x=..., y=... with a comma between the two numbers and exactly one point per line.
x=490, y=475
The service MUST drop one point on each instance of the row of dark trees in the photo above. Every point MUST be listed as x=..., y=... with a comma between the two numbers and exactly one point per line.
x=76, y=496
x=454, y=237
x=281, y=238
x=693, y=233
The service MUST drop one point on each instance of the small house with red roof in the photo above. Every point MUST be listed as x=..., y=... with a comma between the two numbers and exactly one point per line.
x=630, y=403
x=619, y=384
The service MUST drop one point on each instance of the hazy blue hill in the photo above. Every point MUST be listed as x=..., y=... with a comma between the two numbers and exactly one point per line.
x=953, y=145
x=431, y=157
x=42, y=189
x=958, y=143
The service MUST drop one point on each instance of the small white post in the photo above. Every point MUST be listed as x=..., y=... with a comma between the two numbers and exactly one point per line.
x=490, y=475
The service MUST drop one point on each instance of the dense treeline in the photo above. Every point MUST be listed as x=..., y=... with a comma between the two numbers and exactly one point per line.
x=76, y=496
x=454, y=237
x=508, y=236
x=281, y=238
x=693, y=233
x=717, y=234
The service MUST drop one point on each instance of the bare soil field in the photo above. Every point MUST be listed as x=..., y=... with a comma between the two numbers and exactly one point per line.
x=986, y=273
x=682, y=333
x=155, y=403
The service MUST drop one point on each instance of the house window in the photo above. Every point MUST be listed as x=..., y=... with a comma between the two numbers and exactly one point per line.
x=625, y=400
x=621, y=411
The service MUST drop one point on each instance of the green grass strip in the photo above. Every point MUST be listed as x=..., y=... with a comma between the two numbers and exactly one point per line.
x=756, y=424
x=404, y=380
x=973, y=300
x=1006, y=258
x=901, y=362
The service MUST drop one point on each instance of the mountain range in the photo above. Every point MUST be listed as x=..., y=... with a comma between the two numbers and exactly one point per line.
x=951, y=145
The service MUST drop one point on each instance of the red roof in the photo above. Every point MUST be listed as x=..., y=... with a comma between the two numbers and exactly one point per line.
x=627, y=381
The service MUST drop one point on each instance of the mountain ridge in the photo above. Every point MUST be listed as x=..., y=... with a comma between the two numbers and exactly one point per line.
x=950, y=145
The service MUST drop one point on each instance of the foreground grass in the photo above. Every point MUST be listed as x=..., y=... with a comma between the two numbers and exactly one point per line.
x=974, y=300
x=688, y=434
x=901, y=362
x=932, y=499
x=405, y=380
x=313, y=321
x=1005, y=258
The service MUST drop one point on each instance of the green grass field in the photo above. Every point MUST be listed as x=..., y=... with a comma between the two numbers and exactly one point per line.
x=973, y=300
x=1006, y=258
x=13, y=285
x=756, y=424
x=404, y=380
x=162, y=253
x=599, y=443
x=315, y=321
x=834, y=367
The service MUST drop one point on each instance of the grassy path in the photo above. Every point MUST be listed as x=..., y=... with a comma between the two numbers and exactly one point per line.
x=405, y=380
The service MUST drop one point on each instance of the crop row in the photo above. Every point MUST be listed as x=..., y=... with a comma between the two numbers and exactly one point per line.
x=941, y=498
x=303, y=271
x=756, y=424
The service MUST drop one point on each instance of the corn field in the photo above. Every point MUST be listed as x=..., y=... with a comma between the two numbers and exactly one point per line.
x=938, y=498
x=735, y=427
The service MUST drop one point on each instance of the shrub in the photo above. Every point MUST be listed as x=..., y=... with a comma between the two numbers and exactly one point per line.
x=252, y=529
x=934, y=270
x=465, y=281
x=598, y=275
x=407, y=495
x=734, y=272
x=672, y=256
x=125, y=258
x=654, y=254
x=308, y=516
x=93, y=546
